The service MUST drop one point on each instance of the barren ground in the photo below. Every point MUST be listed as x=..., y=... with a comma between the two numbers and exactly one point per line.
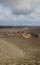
x=15, y=50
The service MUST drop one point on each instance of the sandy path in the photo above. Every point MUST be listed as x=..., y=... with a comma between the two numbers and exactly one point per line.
x=8, y=51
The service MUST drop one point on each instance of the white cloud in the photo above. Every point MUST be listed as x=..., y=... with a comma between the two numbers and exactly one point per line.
x=21, y=10
x=20, y=7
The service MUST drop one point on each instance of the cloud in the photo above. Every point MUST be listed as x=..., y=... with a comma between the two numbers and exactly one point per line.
x=23, y=7
x=20, y=9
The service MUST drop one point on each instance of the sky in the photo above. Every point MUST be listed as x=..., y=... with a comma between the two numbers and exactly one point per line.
x=20, y=12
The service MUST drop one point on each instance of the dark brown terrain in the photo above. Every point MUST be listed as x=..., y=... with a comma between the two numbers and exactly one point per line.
x=17, y=50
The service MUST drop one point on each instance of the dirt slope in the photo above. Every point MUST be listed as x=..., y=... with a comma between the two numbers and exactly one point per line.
x=8, y=51
x=12, y=48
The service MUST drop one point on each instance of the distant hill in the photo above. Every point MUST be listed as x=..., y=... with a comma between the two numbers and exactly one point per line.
x=18, y=26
